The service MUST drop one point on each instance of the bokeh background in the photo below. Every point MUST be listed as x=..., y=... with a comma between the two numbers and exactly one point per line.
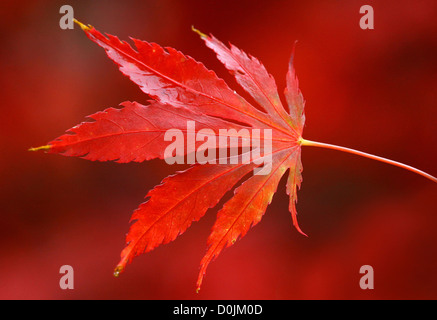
x=373, y=90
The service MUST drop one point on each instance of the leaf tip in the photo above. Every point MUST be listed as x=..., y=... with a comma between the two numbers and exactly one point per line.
x=82, y=26
x=119, y=269
x=300, y=230
x=201, y=34
x=293, y=52
x=46, y=147
x=199, y=281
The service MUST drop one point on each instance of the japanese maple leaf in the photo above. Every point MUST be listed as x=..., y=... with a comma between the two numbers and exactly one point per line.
x=184, y=90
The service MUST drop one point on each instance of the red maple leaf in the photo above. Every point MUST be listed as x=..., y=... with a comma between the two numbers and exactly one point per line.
x=184, y=90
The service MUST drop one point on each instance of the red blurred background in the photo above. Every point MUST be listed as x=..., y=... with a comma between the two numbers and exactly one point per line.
x=373, y=90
